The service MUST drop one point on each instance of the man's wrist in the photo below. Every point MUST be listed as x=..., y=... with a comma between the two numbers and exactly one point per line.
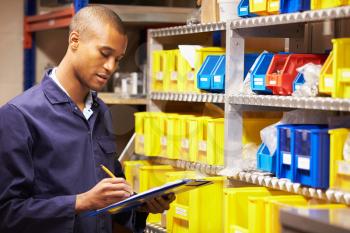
x=81, y=203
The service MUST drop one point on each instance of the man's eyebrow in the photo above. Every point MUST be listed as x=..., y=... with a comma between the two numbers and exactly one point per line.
x=107, y=47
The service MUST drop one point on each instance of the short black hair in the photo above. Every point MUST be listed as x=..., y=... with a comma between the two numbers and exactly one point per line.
x=82, y=20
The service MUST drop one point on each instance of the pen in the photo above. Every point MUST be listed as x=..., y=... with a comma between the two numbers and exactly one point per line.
x=107, y=171
x=110, y=174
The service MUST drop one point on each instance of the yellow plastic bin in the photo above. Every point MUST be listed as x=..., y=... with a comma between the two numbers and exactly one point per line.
x=185, y=137
x=339, y=167
x=197, y=210
x=172, y=80
x=341, y=68
x=201, y=55
x=162, y=120
x=132, y=173
x=264, y=7
x=274, y=205
x=139, y=132
x=326, y=83
x=153, y=176
x=273, y=6
x=215, y=141
x=254, y=122
x=158, y=69
x=153, y=131
x=322, y=4
x=185, y=74
x=198, y=127
x=173, y=136
x=236, y=205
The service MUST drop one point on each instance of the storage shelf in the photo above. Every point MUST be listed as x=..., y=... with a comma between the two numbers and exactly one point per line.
x=300, y=17
x=188, y=29
x=112, y=98
x=264, y=179
x=187, y=165
x=154, y=228
x=320, y=103
x=188, y=97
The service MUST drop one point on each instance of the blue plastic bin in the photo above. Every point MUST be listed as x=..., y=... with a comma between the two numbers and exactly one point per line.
x=298, y=82
x=289, y=6
x=249, y=59
x=311, y=150
x=257, y=83
x=204, y=73
x=243, y=9
x=218, y=75
x=265, y=161
x=284, y=151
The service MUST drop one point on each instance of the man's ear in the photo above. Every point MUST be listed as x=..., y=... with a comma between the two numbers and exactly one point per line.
x=74, y=39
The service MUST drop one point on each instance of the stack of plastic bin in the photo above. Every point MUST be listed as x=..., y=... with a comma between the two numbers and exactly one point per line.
x=321, y=4
x=341, y=68
x=198, y=140
x=196, y=210
x=152, y=134
x=132, y=173
x=282, y=71
x=171, y=82
x=303, y=154
x=243, y=9
x=289, y=6
x=258, y=81
x=218, y=75
x=173, y=136
x=339, y=165
x=326, y=82
x=205, y=73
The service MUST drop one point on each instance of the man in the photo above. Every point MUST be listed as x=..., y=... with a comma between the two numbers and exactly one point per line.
x=55, y=136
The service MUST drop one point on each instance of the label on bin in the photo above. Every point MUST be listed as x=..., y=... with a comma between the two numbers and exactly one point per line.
x=217, y=78
x=303, y=162
x=328, y=82
x=274, y=4
x=141, y=138
x=173, y=76
x=202, y=145
x=163, y=141
x=244, y=9
x=204, y=79
x=190, y=75
x=273, y=82
x=159, y=76
x=181, y=211
x=184, y=143
x=287, y=158
x=258, y=1
x=346, y=74
x=343, y=168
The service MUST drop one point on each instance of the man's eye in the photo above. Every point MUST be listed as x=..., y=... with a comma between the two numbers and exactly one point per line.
x=104, y=54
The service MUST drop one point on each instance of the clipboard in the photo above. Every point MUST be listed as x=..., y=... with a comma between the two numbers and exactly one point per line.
x=138, y=199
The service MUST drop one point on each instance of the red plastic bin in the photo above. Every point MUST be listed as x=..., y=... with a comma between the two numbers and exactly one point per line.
x=283, y=70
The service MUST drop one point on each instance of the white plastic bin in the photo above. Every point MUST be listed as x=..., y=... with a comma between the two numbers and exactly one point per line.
x=228, y=9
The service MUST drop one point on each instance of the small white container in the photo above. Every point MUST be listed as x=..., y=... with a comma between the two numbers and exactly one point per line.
x=228, y=9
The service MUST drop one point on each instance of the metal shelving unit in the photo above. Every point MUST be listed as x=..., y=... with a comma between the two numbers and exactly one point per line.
x=317, y=103
x=188, y=29
x=154, y=228
x=188, y=97
x=112, y=98
x=235, y=103
x=265, y=179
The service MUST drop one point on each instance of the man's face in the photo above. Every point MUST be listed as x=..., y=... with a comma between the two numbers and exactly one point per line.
x=98, y=56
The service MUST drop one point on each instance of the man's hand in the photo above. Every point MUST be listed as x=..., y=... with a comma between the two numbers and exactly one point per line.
x=157, y=204
x=106, y=192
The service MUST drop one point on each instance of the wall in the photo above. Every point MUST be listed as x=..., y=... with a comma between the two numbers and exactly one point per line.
x=11, y=49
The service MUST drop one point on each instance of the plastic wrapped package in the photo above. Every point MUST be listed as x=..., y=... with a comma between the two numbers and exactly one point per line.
x=311, y=74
